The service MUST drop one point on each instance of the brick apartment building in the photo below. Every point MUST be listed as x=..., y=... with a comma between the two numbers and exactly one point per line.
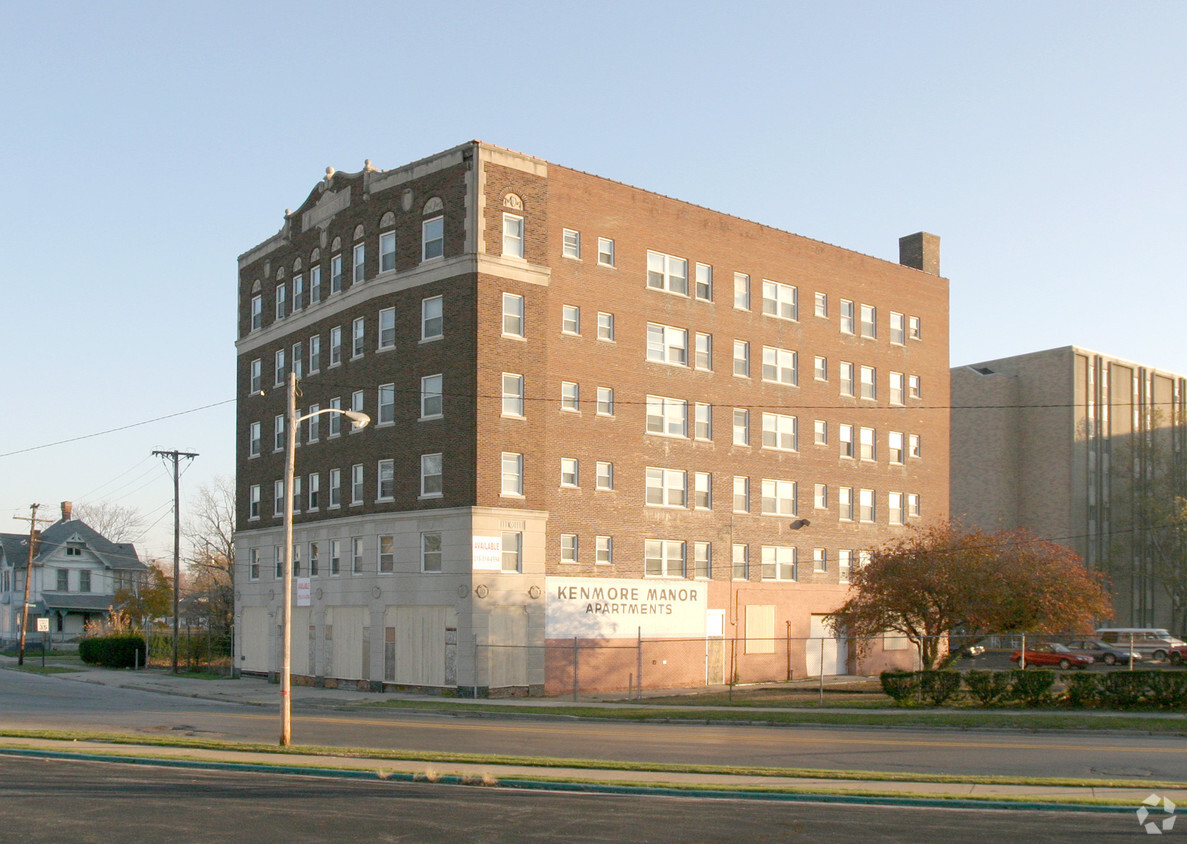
x=1085, y=449
x=600, y=415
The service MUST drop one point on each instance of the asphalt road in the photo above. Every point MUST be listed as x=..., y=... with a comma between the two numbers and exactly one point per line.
x=39, y=702
x=54, y=800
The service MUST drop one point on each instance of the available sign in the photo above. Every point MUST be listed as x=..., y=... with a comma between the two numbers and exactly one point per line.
x=612, y=608
x=303, y=595
x=488, y=553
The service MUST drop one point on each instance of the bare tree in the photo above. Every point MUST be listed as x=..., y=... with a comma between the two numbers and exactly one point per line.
x=210, y=531
x=114, y=522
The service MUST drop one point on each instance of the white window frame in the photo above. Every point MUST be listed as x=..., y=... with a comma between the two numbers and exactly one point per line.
x=869, y=322
x=314, y=346
x=604, y=479
x=432, y=239
x=867, y=511
x=779, y=563
x=741, y=497
x=742, y=291
x=387, y=328
x=702, y=421
x=570, y=397
x=254, y=439
x=664, y=558
x=821, y=305
x=385, y=405
x=702, y=491
x=703, y=282
x=570, y=550
x=780, y=432
x=820, y=431
x=432, y=557
x=667, y=417
x=780, y=366
x=570, y=473
x=385, y=480
x=667, y=273
x=282, y=292
x=779, y=300
x=741, y=426
x=848, y=317
x=513, y=236
x=820, y=496
x=703, y=352
x=432, y=476
x=869, y=383
x=513, y=315
x=432, y=318
x=867, y=444
x=571, y=244
x=358, y=263
x=571, y=320
x=605, y=252
x=605, y=401
x=667, y=344
x=666, y=488
x=741, y=359
x=432, y=397
x=336, y=346
x=336, y=274
x=604, y=551
x=898, y=329
x=512, y=474
x=387, y=252
x=606, y=326
x=358, y=337
x=778, y=497
x=513, y=404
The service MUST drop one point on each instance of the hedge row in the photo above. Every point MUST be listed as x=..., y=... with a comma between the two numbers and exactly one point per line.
x=118, y=651
x=1111, y=690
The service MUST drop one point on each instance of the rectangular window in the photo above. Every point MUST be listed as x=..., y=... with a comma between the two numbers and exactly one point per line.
x=512, y=483
x=386, y=404
x=666, y=487
x=868, y=447
x=512, y=394
x=298, y=359
x=702, y=428
x=778, y=562
x=820, y=431
x=336, y=274
x=741, y=359
x=356, y=484
x=387, y=553
x=314, y=285
x=742, y=291
x=314, y=558
x=278, y=439
x=335, y=419
x=845, y=438
x=570, y=396
x=297, y=494
x=387, y=328
x=702, y=560
x=335, y=557
x=281, y=300
x=869, y=385
x=570, y=319
x=386, y=478
x=570, y=476
x=820, y=559
x=605, y=326
x=667, y=417
x=820, y=496
x=741, y=494
x=780, y=366
x=430, y=552
x=821, y=368
x=780, y=300
x=913, y=445
x=865, y=505
x=704, y=352
x=253, y=502
x=84, y=580
x=512, y=551
x=432, y=238
x=663, y=558
x=604, y=553
x=256, y=377
x=279, y=368
x=335, y=489
x=780, y=432
x=666, y=344
x=387, y=252
x=869, y=321
x=314, y=423
x=356, y=555
x=512, y=236
x=913, y=328
x=894, y=442
x=257, y=312
x=512, y=315
x=431, y=397
x=253, y=439
x=913, y=386
x=356, y=404
x=741, y=426
x=605, y=251
x=702, y=491
x=253, y=563
x=846, y=376
x=898, y=329
x=896, y=388
x=667, y=272
x=778, y=498
x=358, y=333
x=432, y=319
x=844, y=564
x=605, y=472
x=847, y=317
x=605, y=404
x=570, y=243
x=358, y=272
x=431, y=485
x=314, y=353
x=278, y=498
x=740, y=564
x=568, y=547
x=335, y=345
x=822, y=305
x=298, y=292
x=913, y=505
x=894, y=508
x=845, y=503
x=278, y=561
x=704, y=282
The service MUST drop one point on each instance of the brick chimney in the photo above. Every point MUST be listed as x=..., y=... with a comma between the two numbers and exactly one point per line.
x=921, y=251
x=67, y=508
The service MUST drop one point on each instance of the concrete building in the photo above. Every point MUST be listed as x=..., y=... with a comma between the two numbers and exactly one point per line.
x=76, y=574
x=601, y=416
x=1084, y=449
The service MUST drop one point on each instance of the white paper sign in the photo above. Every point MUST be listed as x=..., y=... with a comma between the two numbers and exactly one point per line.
x=488, y=553
x=303, y=592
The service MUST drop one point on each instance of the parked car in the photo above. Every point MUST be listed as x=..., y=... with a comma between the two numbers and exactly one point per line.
x=1178, y=655
x=1102, y=651
x=1151, y=642
x=1053, y=655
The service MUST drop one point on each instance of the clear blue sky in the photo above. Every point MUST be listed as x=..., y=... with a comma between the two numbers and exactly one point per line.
x=147, y=145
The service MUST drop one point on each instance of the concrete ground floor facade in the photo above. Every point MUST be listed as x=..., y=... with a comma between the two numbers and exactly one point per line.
x=460, y=602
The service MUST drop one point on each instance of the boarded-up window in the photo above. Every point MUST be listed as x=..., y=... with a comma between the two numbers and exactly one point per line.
x=760, y=629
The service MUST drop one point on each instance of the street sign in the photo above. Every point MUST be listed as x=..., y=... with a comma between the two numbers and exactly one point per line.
x=43, y=625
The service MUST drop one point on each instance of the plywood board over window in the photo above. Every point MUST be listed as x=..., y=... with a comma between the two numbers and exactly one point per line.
x=760, y=629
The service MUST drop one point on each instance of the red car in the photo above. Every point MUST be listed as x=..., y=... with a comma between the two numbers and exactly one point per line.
x=1056, y=655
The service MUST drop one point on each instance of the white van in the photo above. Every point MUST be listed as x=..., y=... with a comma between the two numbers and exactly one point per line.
x=1151, y=642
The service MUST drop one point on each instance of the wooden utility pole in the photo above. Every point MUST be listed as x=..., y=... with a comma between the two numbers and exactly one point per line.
x=34, y=535
x=175, y=456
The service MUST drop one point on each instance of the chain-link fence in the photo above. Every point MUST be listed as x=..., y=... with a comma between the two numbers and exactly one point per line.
x=198, y=650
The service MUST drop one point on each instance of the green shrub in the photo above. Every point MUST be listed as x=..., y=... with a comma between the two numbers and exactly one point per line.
x=1167, y=689
x=988, y=687
x=1084, y=689
x=902, y=686
x=1124, y=689
x=118, y=651
x=938, y=686
x=1032, y=687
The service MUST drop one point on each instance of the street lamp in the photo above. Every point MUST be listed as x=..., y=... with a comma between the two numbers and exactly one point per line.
x=293, y=421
